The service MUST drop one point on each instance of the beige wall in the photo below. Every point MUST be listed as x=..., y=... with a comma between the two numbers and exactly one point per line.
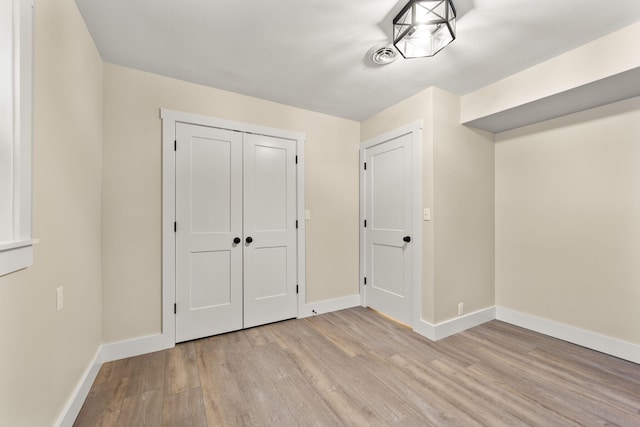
x=44, y=353
x=463, y=212
x=568, y=220
x=132, y=191
x=458, y=263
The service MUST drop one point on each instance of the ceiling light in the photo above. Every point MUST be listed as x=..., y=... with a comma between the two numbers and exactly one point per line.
x=424, y=27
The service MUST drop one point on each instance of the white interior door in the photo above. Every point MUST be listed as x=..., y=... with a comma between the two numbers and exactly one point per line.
x=389, y=229
x=269, y=230
x=208, y=218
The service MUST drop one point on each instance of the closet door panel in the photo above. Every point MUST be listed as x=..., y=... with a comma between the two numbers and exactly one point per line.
x=209, y=217
x=270, y=226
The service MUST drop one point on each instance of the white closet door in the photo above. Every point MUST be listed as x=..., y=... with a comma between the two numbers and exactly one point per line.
x=209, y=218
x=388, y=247
x=269, y=230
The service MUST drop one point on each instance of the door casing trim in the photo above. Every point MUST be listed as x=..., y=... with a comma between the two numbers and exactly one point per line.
x=415, y=129
x=169, y=120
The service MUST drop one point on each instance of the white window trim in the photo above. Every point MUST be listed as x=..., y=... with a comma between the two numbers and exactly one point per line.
x=17, y=253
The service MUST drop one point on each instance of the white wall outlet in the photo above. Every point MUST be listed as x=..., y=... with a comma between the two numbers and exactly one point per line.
x=307, y=214
x=460, y=309
x=59, y=298
x=427, y=214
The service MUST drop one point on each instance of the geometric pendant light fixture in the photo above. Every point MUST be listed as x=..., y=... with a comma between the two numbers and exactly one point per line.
x=424, y=27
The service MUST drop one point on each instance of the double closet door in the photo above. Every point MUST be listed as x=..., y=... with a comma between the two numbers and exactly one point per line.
x=235, y=230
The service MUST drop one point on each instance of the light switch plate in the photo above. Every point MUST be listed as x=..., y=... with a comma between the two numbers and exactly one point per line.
x=427, y=214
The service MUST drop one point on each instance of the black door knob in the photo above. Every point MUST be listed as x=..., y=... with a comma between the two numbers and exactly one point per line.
x=249, y=239
x=407, y=239
x=237, y=240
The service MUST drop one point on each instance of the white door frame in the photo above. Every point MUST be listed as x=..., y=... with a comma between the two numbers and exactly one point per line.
x=415, y=129
x=169, y=120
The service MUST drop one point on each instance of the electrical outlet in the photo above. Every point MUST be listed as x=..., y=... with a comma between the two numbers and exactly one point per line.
x=59, y=298
x=460, y=309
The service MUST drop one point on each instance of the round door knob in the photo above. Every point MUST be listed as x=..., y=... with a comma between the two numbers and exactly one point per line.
x=407, y=239
x=237, y=240
x=249, y=239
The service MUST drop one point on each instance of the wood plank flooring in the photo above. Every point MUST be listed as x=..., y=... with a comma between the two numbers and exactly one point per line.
x=357, y=368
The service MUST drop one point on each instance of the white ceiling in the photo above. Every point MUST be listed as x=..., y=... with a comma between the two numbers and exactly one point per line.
x=312, y=53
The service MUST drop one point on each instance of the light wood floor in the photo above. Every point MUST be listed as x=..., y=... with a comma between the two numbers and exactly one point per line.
x=357, y=368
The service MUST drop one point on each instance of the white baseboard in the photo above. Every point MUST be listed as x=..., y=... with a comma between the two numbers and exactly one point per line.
x=107, y=353
x=135, y=347
x=143, y=345
x=426, y=329
x=454, y=326
x=73, y=406
x=602, y=343
x=327, y=306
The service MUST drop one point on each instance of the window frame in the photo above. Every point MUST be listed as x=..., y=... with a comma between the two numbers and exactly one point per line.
x=17, y=253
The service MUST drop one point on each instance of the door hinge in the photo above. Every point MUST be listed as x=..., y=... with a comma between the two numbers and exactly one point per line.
x=296, y=223
x=365, y=165
x=365, y=281
x=297, y=289
x=365, y=223
x=175, y=145
x=175, y=226
x=296, y=160
x=175, y=308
